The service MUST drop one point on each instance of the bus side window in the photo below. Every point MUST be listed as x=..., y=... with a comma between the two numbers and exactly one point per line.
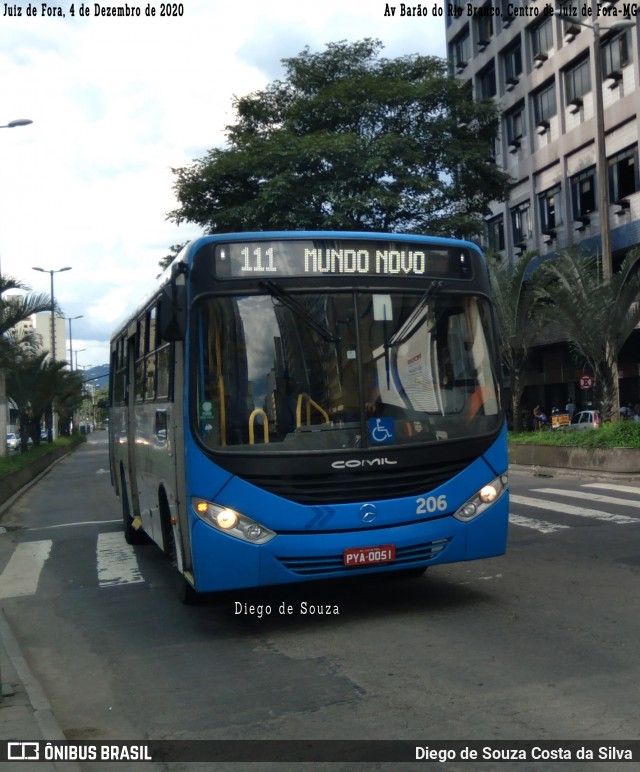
x=163, y=378
x=139, y=384
x=119, y=396
x=150, y=355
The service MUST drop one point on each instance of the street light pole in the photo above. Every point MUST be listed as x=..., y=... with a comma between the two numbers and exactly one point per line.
x=601, y=161
x=600, y=136
x=16, y=123
x=3, y=385
x=53, y=332
x=606, y=258
x=71, y=319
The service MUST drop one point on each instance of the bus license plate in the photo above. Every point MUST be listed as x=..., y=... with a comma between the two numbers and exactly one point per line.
x=366, y=556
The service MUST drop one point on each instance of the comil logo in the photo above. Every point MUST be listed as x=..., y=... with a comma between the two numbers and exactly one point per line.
x=363, y=463
x=23, y=751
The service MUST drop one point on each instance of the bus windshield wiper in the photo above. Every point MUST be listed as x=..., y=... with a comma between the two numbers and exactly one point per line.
x=293, y=305
x=416, y=316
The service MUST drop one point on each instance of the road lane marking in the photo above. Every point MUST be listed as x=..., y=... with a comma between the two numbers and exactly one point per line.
x=22, y=572
x=69, y=525
x=614, y=487
x=117, y=563
x=539, y=525
x=589, y=496
x=567, y=509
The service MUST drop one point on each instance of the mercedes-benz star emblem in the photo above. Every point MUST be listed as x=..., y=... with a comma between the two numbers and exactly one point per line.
x=368, y=513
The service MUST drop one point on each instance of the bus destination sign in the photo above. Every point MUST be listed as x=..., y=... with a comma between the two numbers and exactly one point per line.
x=270, y=259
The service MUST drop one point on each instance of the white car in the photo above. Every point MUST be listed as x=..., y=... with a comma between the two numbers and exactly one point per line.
x=585, y=419
x=13, y=441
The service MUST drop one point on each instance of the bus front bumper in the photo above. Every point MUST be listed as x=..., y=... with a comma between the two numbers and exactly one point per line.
x=224, y=563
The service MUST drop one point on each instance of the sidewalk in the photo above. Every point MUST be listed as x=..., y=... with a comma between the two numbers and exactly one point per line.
x=25, y=712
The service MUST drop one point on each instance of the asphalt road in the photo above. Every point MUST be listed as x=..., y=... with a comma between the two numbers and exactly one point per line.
x=538, y=645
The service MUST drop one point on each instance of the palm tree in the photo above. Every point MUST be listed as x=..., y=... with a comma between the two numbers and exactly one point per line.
x=34, y=382
x=69, y=398
x=511, y=289
x=14, y=310
x=597, y=315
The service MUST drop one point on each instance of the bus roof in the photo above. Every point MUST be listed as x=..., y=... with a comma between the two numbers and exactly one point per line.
x=188, y=251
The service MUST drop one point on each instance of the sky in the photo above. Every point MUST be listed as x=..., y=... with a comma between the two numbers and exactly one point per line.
x=116, y=103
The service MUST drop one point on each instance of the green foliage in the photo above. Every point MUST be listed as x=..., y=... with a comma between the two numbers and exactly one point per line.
x=597, y=315
x=34, y=382
x=622, y=434
x=13, y=310
x=175, y=249
x=513, y=297
x=15, y=461
x=351, y=140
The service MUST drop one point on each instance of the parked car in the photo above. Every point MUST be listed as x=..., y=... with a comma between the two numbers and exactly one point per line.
x=585, y=419
x=13, y=441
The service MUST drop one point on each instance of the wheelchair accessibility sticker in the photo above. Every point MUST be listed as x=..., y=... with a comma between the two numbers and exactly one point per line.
x=381, y=430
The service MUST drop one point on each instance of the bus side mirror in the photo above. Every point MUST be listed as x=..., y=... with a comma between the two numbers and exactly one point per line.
x=172, y=311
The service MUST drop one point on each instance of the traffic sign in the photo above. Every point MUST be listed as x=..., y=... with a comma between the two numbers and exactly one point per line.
x=586, y=382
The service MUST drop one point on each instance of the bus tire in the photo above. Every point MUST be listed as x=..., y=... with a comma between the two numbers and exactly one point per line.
x=131, y=535
x=186, y=593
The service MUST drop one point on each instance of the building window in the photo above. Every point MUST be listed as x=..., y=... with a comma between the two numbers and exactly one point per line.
x=544, y=103
x=520, y=224
x=508, y=15
x=569, y=12
x=487, y=82
x=623, y=174
x=461, y=51
x=515, y=125
x=495, y=233
x=577, y=81
x=549, y=204
x=542, y=39
x=615, y=54
x=512, y=59
x=484, y=26
x=583, y=193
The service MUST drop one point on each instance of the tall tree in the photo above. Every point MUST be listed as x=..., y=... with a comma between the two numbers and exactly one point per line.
x=35, y=383
x=597, y=314
x=512, y=291
x=13, y=310
x=351, y=140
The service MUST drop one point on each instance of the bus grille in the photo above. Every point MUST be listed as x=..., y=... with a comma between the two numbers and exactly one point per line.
x=351, y=486
x=332, y=564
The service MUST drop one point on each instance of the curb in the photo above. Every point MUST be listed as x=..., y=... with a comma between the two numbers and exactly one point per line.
x=42, y=711
x=38, y=474
x=554, y=459
x=537, y=470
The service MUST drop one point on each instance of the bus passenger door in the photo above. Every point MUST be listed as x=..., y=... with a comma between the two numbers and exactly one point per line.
x=131, y=475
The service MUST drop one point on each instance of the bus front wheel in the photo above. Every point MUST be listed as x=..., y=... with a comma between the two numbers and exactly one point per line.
x=131, y=535
x=186, y=592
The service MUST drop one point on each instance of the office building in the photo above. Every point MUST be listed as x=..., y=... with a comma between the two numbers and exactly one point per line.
x=538, y=60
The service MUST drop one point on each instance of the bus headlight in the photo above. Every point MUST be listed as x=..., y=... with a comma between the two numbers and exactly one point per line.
x=483, y=499
x=231, y=522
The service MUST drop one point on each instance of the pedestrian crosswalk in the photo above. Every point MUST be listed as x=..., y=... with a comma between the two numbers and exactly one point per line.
x=116, y=561
x=547, y=510
x=592, y=502
x=20, y=577
x=116, y=564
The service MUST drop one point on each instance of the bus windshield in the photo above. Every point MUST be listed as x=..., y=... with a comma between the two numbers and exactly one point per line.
x=291, y=371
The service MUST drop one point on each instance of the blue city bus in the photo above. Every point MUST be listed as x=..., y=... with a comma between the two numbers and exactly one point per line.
x=294, y=406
